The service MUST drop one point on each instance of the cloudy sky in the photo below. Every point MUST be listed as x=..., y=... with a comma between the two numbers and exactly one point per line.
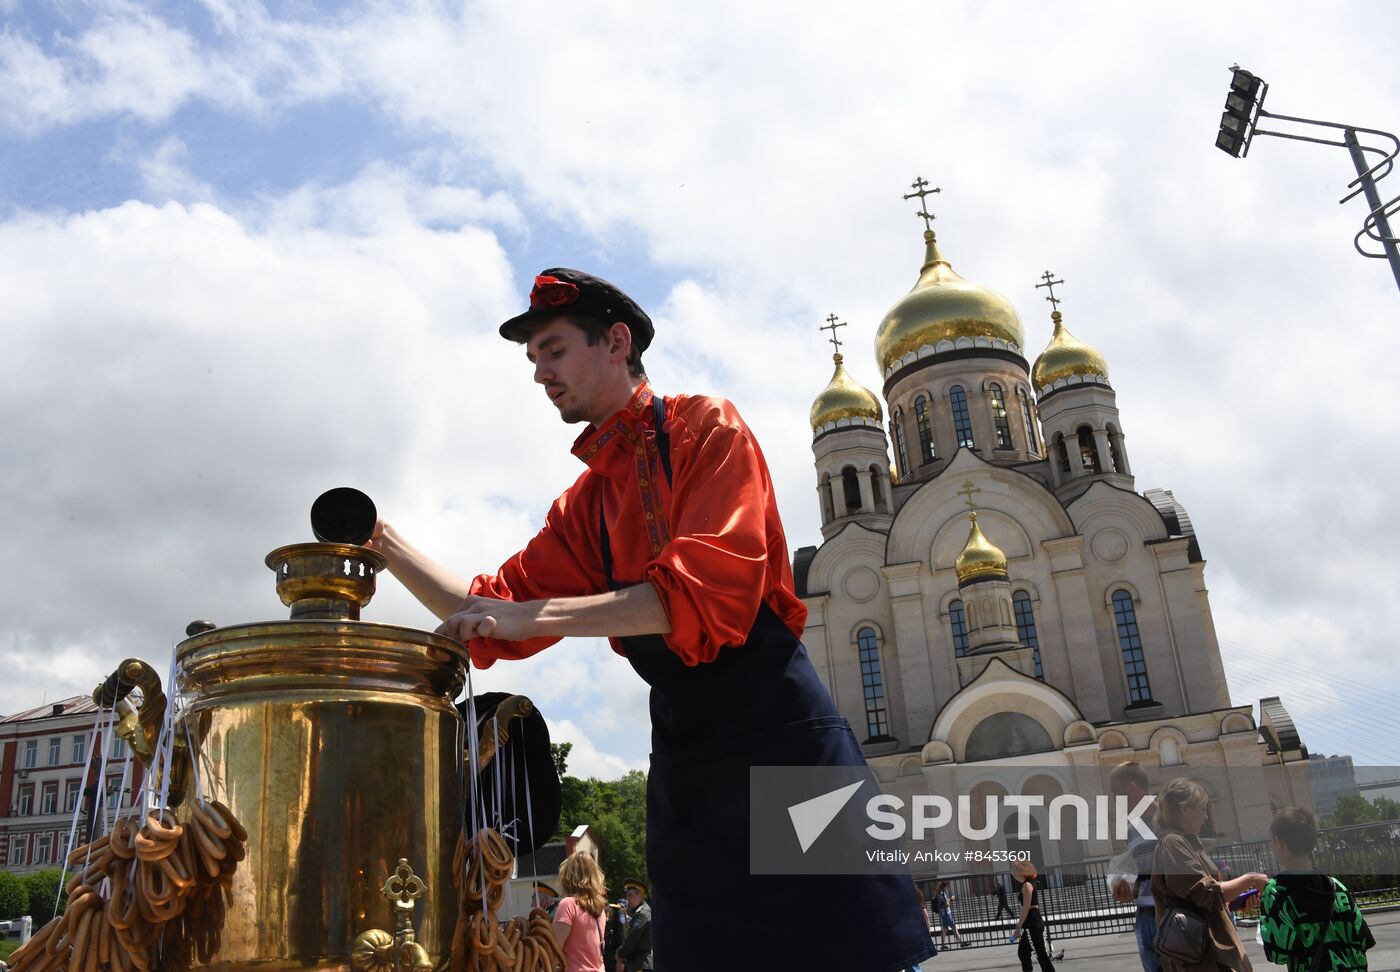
x=250, y=251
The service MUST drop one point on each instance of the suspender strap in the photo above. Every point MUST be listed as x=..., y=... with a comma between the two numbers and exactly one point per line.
x=663, y=449
x=663, y=438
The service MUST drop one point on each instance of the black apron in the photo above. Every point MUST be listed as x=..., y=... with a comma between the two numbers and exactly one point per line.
x=760, y=704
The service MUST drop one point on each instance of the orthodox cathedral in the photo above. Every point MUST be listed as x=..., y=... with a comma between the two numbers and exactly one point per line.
x=1001, y=593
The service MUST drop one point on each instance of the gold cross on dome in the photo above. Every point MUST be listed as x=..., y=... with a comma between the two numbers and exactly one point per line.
x=967, y=490
x=1050, y=285
x=832, y=323
x=919, y=185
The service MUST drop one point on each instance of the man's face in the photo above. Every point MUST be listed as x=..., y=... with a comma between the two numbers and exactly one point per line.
x=634, y=898
x=570, y=369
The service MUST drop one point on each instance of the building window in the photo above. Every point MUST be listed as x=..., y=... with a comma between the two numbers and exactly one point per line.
x=897, y=430
x=70, y=798
x=43, y=848
x=19, y=850
x=999, y=420
x=31, y=753
x=877, y=495
x=48, y=803
x=873, y=683
x=1025, y=628
x=26, y=800
x=828, y=514
x=1088, y=453
x=79, y=749
x=119, y=744
x=927, y=452
x=1130, y=643
x=958, y=620
x=55, y=750
x=1032, y=441
x=1062, y=454
x=850, y=485
x=962, y=419
x=113, y=792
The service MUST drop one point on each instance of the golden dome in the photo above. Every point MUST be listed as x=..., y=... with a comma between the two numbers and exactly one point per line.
x=844, y=398
x=944, y=307
x=1064, y=357
x=979, y=558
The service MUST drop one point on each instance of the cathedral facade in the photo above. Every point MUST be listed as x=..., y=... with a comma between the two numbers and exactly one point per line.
x=994, y=591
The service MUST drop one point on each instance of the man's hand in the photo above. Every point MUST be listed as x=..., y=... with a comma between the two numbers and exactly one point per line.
x=1123, y=891
x=486, y=617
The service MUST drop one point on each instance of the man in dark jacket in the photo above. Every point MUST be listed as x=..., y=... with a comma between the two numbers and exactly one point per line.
x=635, y=951
x=1305, y=912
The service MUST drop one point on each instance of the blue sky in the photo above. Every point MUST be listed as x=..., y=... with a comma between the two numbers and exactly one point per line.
x=224, y=220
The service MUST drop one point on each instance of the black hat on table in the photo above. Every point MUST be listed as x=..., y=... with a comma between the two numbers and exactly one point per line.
x=561, y=291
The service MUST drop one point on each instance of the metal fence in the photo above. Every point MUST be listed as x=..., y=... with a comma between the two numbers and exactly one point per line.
x=1076, y=900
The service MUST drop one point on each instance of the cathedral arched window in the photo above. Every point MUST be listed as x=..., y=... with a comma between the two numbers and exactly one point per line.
x=1025, y=628
x=999, y=419
x=828, y=504
x=926, y=449
x=1130, y=644
x=850, y=485
x=1032, y=443
x=962, y=419
x=1062, y=453
x=877, y=494
x=872, y=681
x=897, y=431
x=1088, y=452
x=957, y=620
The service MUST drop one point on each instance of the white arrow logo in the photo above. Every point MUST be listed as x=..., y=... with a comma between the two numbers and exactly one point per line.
x=811, y=817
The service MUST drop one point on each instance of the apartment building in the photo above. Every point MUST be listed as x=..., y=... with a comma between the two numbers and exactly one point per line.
x=48, y=771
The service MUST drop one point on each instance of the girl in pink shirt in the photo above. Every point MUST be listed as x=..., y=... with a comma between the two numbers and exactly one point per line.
x=578, y=918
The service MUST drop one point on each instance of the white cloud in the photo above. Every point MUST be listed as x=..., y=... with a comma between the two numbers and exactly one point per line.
x=748, y=160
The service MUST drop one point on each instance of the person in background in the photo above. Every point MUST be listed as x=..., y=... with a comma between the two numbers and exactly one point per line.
x=545, y=896
x=613, y=933
x=579, y=915
x=635, y=951
x=1305, y=912
x=943, y=904
x=1002, y=904
x=1129, y=780
x=1029, y=932
x=1183, y=875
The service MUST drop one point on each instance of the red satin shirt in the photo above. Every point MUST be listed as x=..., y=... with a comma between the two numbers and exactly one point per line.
x=710, y=542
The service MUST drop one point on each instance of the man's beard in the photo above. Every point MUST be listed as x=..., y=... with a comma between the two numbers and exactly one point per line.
x=571, y=414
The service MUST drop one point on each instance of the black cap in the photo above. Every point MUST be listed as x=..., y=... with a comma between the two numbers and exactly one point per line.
x=560, y=290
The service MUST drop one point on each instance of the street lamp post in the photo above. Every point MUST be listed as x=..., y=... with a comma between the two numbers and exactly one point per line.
x=1244, y=108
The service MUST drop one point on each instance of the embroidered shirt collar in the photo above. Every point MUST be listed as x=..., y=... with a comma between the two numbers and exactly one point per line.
x=609, y=448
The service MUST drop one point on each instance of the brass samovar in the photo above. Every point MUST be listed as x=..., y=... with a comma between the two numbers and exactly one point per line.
x=336, y=743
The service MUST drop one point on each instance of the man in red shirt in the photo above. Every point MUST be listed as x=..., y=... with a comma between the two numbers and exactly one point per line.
x=670, y=545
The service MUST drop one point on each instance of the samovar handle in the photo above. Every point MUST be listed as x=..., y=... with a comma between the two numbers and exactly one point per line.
x=140, y=726
x=512, y=707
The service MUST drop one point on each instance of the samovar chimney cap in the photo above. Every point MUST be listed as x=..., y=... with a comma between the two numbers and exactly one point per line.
x=343, y=515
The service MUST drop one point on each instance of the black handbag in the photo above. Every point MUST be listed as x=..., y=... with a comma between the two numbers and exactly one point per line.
x=1181, y=935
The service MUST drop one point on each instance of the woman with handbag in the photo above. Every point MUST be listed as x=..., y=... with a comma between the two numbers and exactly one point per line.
x=1194, y=931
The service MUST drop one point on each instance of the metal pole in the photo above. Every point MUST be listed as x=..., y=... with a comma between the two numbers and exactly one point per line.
x=1373, y=199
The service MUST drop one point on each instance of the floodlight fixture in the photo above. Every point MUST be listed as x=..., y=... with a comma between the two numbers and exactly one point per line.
x=1244, y=111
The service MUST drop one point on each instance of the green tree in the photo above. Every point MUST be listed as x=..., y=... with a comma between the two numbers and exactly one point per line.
x=1386, y=808
x=559, y=752
x=1353, y=810
x=43, y=893
x=14, y=897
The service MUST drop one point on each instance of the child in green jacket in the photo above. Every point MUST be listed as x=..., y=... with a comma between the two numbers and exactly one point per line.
x=1306, y=913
